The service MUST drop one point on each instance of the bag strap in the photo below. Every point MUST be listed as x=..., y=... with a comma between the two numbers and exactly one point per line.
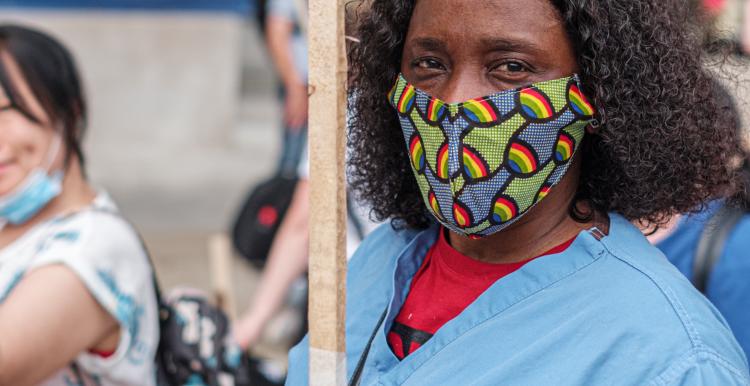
x=363, y=358
x=712, y=243
x=118, y=215
x=78, y=374
x=354, y=217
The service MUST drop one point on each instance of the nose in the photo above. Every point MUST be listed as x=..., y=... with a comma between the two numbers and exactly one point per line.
x=462, y=86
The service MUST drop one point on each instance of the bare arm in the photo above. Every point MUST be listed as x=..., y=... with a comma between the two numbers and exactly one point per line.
x=46, y=322
x=287, y=260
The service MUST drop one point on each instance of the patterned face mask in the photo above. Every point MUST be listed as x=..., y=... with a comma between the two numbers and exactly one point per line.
x=483, y=163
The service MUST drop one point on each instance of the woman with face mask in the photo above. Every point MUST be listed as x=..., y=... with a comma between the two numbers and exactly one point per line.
x=77, y=304
x=511, y=144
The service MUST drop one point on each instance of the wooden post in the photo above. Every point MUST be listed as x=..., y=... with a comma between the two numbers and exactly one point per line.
x=220, y=262
x=327, y=192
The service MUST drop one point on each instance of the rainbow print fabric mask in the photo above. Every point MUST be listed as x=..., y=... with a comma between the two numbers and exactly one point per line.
x=483, y=163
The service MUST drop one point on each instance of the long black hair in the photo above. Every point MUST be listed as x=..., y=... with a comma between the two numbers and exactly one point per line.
x=50, y=71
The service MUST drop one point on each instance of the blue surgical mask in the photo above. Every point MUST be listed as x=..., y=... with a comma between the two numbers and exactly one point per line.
x=33, y=194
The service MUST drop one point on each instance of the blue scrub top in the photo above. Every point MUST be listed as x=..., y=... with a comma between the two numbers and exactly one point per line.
x=604, y=312
x=728, y=286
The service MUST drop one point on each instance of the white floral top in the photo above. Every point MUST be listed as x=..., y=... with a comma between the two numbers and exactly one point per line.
x=106, y=254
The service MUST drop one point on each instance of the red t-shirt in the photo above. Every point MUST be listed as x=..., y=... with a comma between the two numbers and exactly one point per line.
x=445, y=284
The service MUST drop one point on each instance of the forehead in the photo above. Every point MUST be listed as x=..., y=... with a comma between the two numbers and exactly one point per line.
x=470, y=22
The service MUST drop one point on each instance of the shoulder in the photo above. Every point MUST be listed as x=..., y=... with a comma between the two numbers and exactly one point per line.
x=281, y=8
x=654, y=300
x=632, y=255
x=94, y=237
x=701, y=366
x=102, y=249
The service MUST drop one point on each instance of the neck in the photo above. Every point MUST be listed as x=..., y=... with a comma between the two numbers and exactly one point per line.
x=545, y=226
x=76, y=194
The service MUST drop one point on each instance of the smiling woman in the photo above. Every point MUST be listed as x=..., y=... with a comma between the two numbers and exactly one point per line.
x=76, y=296
x=512, y=144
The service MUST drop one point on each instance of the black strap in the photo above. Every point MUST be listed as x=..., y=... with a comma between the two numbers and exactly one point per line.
x=77, y=372
x=363, y=358
x=354, y=217
x=159, y=299
x=712, y=242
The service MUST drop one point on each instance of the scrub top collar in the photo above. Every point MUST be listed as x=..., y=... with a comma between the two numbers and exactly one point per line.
x=532, y=278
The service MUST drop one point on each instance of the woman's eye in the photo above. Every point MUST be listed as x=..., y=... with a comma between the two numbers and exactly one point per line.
x=428, y=64
x=511, y=67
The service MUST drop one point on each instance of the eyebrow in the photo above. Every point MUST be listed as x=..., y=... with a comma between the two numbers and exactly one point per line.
x=508, y=45
x=429, y=44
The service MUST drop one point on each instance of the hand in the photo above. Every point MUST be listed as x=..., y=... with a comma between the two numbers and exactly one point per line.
x=295, y=107
x=246, y=332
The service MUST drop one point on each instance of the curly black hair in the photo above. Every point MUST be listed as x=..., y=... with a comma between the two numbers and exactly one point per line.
x=665, y=144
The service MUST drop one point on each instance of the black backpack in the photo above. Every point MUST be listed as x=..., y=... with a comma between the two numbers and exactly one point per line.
x=196, y=345
x=260, y=217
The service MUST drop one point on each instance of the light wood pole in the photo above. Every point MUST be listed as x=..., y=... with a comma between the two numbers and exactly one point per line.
x=327, y=192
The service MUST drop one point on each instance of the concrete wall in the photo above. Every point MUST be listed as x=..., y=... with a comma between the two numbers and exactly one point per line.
x=173, y=135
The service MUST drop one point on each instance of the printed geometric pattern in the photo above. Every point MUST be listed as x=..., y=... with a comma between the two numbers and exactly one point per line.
x=483, y=163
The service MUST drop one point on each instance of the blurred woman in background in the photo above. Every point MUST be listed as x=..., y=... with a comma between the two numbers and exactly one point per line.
x=77, y=303
x=711, y=247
